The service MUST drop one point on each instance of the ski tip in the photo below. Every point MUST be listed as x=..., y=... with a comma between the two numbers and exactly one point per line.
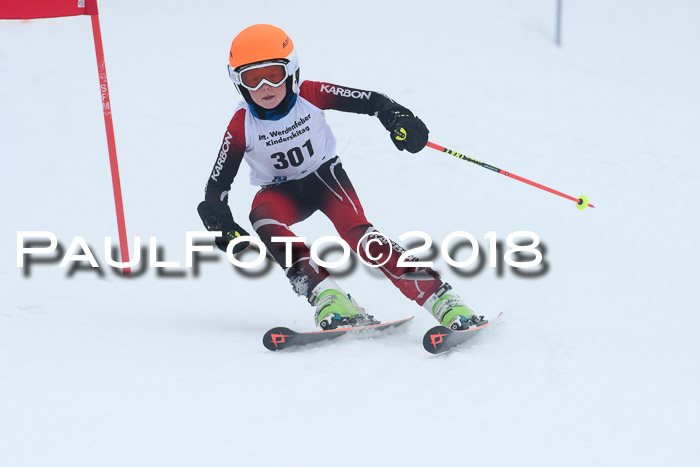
x=434, y=338
x=440, y=339
x=277, y=338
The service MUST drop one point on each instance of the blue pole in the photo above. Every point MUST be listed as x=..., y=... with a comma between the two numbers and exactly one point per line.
x=559, y=8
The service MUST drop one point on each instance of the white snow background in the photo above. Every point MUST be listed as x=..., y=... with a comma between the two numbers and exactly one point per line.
x=594, y=362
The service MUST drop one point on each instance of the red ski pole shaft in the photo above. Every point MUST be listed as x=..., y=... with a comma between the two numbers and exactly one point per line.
x=579, y=201
x=111, y=146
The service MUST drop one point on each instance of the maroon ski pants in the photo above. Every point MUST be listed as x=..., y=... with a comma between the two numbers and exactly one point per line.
x=277, y=207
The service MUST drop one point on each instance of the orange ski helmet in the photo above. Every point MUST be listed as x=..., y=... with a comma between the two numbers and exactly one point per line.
x=259, y=44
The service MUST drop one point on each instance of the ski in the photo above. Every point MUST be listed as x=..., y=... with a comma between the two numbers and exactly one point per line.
x=282, y=338
x=441, y=339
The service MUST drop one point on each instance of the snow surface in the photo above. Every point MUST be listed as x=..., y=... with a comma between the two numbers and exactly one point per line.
x=594, y=363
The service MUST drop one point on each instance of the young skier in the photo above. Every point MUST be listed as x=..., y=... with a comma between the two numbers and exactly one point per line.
x=281, y=131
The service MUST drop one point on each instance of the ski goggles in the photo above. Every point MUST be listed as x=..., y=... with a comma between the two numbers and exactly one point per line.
x=254, y=76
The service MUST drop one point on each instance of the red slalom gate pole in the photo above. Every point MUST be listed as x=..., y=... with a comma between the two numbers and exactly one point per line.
x=581, y=202
x=111, y=146
x=31, y=9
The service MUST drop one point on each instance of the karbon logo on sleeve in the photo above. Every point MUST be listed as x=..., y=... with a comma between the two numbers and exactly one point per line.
x=223, y=154
x=338, y=91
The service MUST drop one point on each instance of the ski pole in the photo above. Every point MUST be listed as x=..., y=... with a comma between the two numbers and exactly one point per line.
x=581, y=201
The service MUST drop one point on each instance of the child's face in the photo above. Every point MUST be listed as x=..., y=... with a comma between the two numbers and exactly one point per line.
x=269, y=97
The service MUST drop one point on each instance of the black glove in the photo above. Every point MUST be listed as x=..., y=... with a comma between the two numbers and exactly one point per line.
x=407, y=131
x=216, y=215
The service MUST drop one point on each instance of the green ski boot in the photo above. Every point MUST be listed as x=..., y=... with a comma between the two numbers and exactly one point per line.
x=449, y=309
x=336, y=308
